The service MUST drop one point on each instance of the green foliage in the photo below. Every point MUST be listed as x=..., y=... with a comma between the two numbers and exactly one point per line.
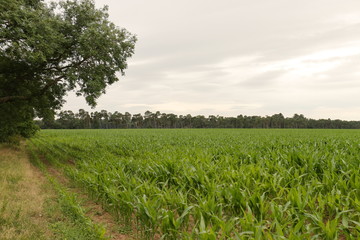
x=24, y=129
x=75, y=225
x=15, y=122
x=47, y=50
x=105, y=119
x=219, y=184
x=27, y=128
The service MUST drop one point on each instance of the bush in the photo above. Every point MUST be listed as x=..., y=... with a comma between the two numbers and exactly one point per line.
x=10, y=133
x=28, y=129
x=14, y=140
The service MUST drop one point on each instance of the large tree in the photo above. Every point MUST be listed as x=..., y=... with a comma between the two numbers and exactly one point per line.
x=47, y=50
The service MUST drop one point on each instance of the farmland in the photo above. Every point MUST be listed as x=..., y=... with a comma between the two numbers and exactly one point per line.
x=217, y=183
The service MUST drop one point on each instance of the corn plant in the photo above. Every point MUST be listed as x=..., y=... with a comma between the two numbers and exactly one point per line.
x=217, y=183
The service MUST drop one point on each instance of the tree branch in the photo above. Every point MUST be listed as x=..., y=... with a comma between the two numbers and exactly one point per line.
x=49, y=84
x=59, y=69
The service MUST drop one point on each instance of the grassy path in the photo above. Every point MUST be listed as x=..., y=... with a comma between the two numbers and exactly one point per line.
x=39, y=203
x=23, y=198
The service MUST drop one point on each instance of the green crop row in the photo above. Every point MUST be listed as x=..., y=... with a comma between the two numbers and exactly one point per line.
x=78, y=226
x=218, y=183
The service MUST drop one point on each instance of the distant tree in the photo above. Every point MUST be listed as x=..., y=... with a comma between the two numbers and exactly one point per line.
x=199, y=121
x=47, y=50
x=240, y=121
x=127, y=119
x=298, y=121
x=137, y=120
x=155, y=118
x=68, y=120
x=188, y=121
x=212, y=121
x=277, y=121
x=116, y=120
x=147, y=119
x=105, y=119
x=104, y=116
x=83, y=119
x=172, y=120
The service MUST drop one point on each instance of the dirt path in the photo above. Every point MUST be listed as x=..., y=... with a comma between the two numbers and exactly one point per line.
x=23, y=192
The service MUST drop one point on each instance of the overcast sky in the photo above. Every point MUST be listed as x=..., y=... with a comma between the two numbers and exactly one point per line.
x=231, y=57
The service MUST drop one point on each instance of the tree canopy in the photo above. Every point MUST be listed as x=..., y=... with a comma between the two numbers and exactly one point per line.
x=105, y=119
x=50, y=49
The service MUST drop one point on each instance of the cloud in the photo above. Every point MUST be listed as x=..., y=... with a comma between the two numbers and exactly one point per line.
x=348, y=113
x=262, y=80
x=238, y=57
x=183, y=108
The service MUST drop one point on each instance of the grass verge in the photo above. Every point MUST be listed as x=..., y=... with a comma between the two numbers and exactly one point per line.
x=75, y=224
x=34, y=205
x=23, y=198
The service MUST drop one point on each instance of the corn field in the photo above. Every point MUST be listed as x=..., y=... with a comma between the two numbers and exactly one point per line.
x=217, y=183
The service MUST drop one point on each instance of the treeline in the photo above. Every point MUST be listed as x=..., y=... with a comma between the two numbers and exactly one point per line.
x=107, y=120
